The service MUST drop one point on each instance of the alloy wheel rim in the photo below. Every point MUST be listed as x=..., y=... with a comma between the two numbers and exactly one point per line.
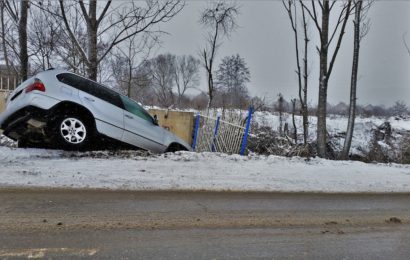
x=73, y=130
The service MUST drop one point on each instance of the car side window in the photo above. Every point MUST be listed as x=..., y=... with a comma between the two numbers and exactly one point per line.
x=92, y=88
x=134, y=108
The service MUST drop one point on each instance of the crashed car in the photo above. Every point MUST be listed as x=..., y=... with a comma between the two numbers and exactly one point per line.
x=57, y=108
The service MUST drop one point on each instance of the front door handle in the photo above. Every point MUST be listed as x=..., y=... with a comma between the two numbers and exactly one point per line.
x=128, y=116
x=89, y=99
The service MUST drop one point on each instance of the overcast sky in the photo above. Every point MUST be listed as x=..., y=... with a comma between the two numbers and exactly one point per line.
x=266, y=42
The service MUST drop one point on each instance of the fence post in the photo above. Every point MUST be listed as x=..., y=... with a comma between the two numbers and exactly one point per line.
x=215, y=133
x=196, y=131
x=245, y=135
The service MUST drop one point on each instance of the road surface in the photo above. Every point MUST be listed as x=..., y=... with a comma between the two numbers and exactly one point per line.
x=202, y=225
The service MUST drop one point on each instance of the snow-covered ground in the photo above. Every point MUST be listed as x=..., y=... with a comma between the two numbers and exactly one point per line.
x=195, y=171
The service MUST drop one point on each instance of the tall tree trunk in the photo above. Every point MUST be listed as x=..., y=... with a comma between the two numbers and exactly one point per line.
x=3, y=38
x=293, y=15
x=210, y=89
x=92, y=40
x=353, y=83
x=305, y=112
x=129, y=82
x=295, y=130
x=323, y=82
x=22, y=28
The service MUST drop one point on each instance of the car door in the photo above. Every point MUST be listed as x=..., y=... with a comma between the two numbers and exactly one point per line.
x=140, y=129
x=107, y=109
x=104, y=103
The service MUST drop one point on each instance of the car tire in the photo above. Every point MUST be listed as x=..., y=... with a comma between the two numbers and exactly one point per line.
x=22, y=143
x=72, y=132
x=174, y=147
x=28, y=143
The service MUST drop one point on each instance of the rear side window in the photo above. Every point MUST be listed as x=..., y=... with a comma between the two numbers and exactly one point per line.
x=136, y=109
x=92, y=88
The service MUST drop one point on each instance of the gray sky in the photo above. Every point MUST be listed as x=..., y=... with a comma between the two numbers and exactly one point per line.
x=266, y=42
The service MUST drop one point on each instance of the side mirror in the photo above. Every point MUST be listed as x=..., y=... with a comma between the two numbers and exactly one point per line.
x=156, y=120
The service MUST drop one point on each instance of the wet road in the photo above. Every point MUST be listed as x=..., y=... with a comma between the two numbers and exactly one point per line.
x=188, y=225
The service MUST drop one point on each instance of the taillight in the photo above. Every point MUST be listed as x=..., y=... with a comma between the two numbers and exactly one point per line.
x=37, y=85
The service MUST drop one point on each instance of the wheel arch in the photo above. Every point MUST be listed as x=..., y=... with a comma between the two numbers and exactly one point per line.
x=76, y=109
x=175, y=146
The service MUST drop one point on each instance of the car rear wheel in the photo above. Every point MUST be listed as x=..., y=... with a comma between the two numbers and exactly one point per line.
x=73, y=133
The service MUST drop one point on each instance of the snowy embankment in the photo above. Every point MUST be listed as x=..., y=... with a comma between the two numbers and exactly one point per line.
x=195, y=171
x=336, y=127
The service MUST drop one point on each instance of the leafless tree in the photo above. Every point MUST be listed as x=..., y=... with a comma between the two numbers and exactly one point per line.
x=291, y=7
x=113, y=25
x=17, y=13
x=44, y=37
x=200, y=101
x=320, y=13
x=399, y=109
x=361, y=27
x=128, y=58
x=4, y=30
x=162, y=78
x=66, y=51
x=259, y=103
x=186, y=75
x=220, y=20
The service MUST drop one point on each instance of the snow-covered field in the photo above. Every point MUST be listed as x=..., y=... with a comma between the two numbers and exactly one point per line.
x=194, y=171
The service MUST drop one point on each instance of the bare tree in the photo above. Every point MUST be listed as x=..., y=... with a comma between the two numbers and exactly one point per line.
x=259, y=103
x=399, y=109
x=220, y=19
x=128, y=58
x=162, y=72
x=113, y=25
x=17, y=13
x=186, y=75
x=44, y=37
x=291, y=7
x=67, y=51
x=361, y=28
x=320, y=13
x=4, y=30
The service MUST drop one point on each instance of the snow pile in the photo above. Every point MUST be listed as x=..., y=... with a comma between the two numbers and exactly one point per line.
x=195, y=171
x=5, y=141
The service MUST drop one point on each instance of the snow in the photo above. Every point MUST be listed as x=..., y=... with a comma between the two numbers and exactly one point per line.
x=29, y=168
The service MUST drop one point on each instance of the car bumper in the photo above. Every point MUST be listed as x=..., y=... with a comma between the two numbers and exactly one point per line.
x=31, y=103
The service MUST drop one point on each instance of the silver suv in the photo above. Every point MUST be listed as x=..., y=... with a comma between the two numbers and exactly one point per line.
x=60, y=109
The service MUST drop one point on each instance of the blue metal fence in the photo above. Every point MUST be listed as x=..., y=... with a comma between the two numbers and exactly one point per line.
x=213, y=134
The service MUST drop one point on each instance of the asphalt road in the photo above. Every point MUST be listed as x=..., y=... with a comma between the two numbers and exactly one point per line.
x=187, y=225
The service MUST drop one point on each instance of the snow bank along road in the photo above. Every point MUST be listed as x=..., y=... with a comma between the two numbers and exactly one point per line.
x=132, y=170
x=203, y=225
